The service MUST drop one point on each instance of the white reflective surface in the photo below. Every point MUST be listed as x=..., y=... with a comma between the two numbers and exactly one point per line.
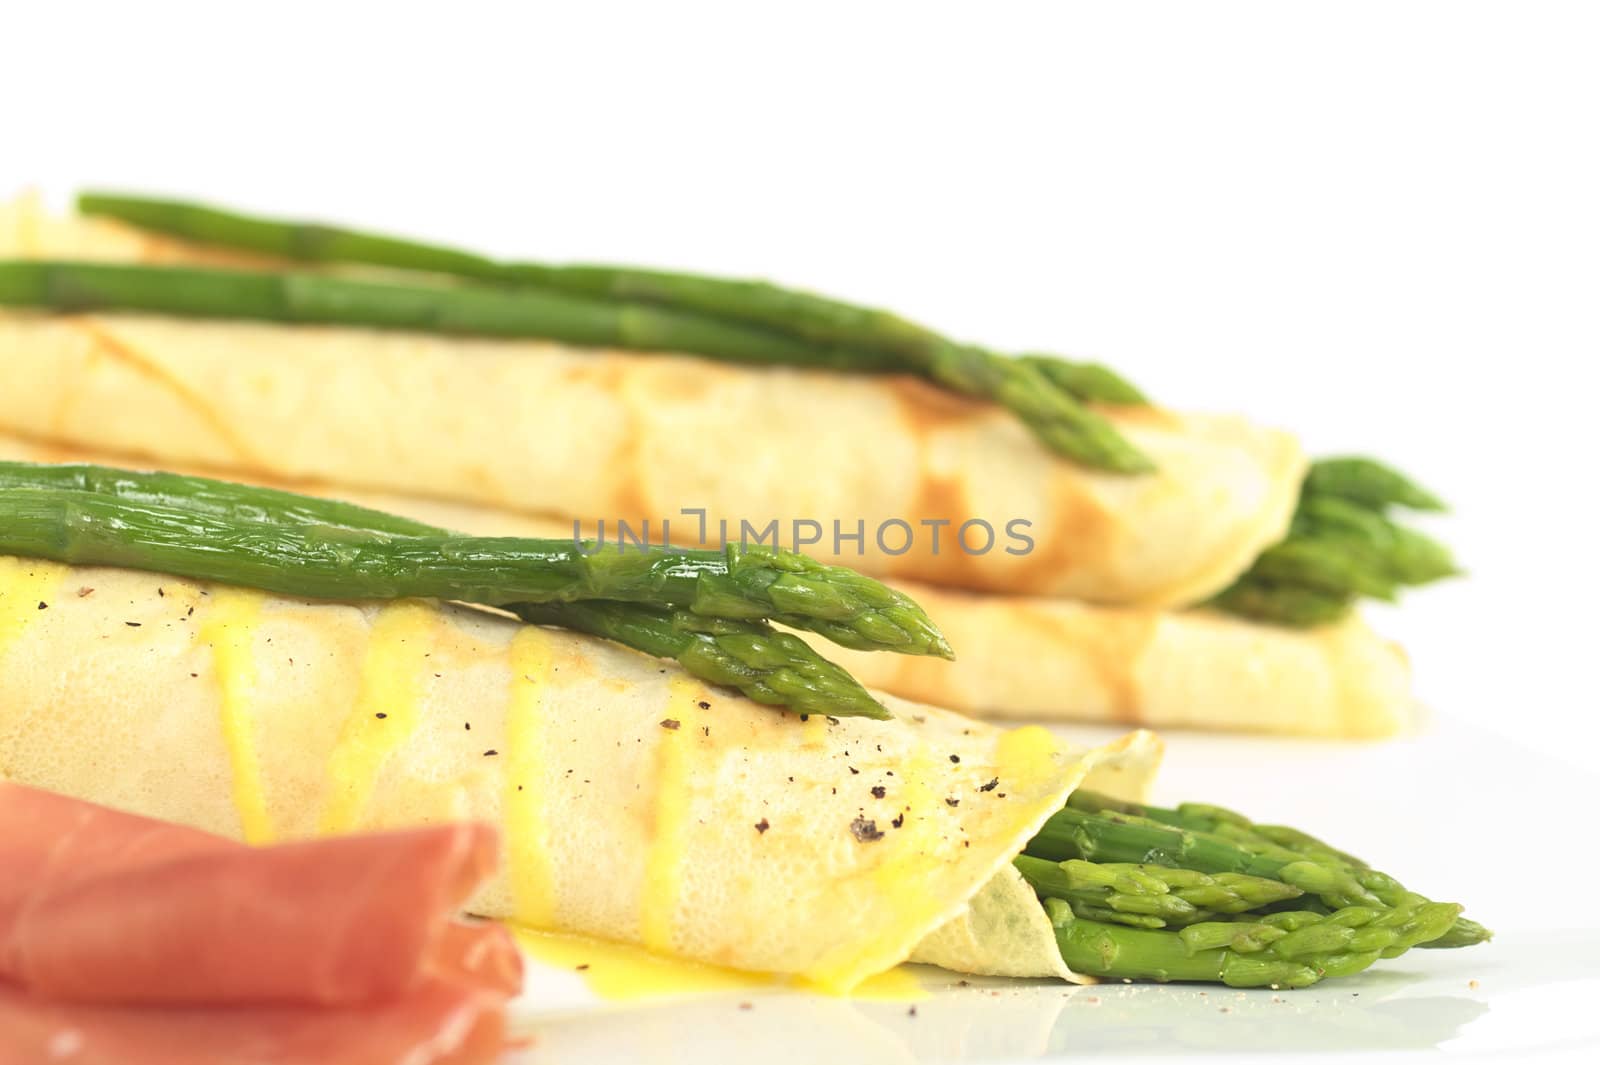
x=1536, y=996
x=1454, y=814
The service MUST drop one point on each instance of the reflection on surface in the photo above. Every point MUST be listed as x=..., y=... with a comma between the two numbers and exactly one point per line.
x=1424, y=1005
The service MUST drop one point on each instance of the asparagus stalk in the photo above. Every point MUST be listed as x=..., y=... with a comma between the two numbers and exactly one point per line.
x=1283, y=604
x=765, y=665
x=1176, y=896
x=1221, y=821
x=1393, y=551
x=1088, y=381
x=1095, y=948
x=1286, y=949
x=749, y=656
x=1199, y=892
x=467, y=310
x=213, y=498
x=1196, y=837
x=1369, y=483
x=341, y=563
x=1046, y=393
x=1341, y=546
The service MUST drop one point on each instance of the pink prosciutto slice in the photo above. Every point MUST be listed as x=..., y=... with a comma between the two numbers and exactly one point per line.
x=131, y=940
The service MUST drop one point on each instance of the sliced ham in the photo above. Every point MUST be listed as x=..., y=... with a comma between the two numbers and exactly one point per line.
x=130, y=940
x=435, y=1025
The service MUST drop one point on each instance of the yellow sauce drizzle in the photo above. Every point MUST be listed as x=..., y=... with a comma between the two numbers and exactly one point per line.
x=526, y=832
x=1026, y=757
x=391, y=685
x=899, y=984
x=665, y=860
x=24, y=584
x=916, y=854
x=621, y=972
x=230, y=628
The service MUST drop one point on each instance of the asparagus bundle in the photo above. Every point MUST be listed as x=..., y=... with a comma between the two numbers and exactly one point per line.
x=1199, y=892
x=760, y=321
x=1342, y=545
x=706, y=609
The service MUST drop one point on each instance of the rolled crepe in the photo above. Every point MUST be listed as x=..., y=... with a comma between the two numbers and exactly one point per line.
x=543, y=428
x=637, y=804
x=1052, y=659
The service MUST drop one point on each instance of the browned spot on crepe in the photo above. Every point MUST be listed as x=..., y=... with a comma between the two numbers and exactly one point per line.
x=609, y=374
x=1110, y=646
x=926, y=409
x=1078, y=533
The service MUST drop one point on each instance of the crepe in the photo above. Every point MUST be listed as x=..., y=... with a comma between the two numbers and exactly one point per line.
x=637, y=804
x=542, y=428
x=1053, y=659
x=1063, y=660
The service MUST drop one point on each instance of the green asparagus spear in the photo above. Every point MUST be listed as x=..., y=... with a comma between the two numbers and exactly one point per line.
x=1283, y=604
x=1046, y=393
x=342, y=563
x=1199, y=892
x=1326, y=565
x=1088, y=381
x=1175, y=895
x=1398, y=553
x=1340, y=547
x=1119, y=837
x=1369, y=483
x=319, y=298
x=302, y=241
x=1191, y=837
x=1095, y=948
x=1464, y=933
x=213, y=498
x=1061, y=421
x=765, y=665
x=1279, y=950
x=1220, y=821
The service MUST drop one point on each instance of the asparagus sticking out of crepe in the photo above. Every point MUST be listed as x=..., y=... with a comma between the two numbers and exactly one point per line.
x=1201, y=893
x=764, y=664
x=1046, y=393
x=1369, y=483
x=1291, y=949
x=1214, y=841
x=1060, y=420
x=889, y=838
x=1342, y=545
x=311, y=546
x=323, y=562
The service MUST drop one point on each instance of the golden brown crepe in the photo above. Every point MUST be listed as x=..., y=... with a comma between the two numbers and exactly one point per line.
x=1057, y=659
x=542, y=428
x=636, y=803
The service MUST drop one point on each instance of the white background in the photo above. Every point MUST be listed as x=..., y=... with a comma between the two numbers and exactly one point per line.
x=1375, y=223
